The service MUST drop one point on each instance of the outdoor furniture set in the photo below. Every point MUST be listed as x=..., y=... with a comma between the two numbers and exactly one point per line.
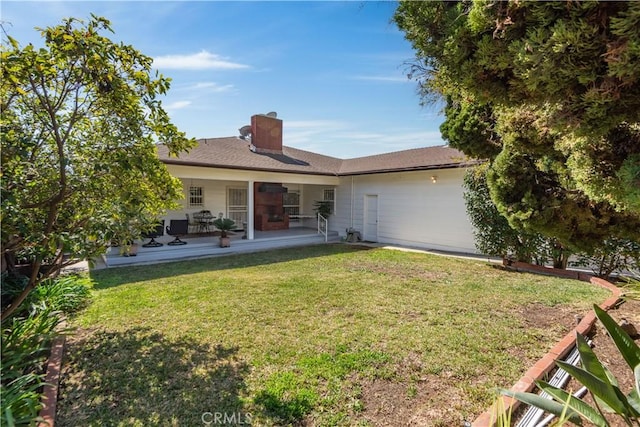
x=202, y=222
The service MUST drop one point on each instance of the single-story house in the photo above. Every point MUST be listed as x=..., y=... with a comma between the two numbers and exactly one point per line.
x=411, y=198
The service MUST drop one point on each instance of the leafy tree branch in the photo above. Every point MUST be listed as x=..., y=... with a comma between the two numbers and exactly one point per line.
x=80, y=122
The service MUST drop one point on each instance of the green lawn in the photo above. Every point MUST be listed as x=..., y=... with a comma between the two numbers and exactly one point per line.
x=322, y=335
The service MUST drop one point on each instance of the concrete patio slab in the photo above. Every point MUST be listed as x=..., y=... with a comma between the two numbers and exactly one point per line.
x=208, y=246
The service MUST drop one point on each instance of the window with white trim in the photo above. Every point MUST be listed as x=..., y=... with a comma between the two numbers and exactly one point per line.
x=291, y=204
x=237, y=205
x=329, y=195
x=196, y=197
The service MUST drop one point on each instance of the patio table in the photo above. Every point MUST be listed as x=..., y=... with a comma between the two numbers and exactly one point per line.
x=204, y=220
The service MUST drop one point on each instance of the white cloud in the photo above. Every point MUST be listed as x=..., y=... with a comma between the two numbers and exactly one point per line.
x=211, y=87
x=305, y=134
x=202, y=60
x=177, y=105
x=346, y=140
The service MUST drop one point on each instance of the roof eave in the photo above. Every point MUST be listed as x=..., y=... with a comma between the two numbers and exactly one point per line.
x=412, y=169
x=247, y=168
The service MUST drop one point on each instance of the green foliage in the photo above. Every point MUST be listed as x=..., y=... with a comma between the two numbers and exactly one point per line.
x=467, y=123
x=614, y=256
x=631, y=287
x=224, y=225
x=66, y=294
x=549, y=93
x=597, y=379
x=80, y=122
x=495, y=236
x=25, y=343
x=13, y=284
x=323, y=207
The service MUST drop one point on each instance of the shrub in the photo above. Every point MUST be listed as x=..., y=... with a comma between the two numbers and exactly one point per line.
x=66, y=294
x=25, y=343
x=12, y=284
x=495, y=236
x=323, y=207
x=614, y=256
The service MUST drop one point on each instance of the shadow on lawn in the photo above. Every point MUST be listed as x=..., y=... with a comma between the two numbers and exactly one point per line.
x=118, y=276
x=140, y=377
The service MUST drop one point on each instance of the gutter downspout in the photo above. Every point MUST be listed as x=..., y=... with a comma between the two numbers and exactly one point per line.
x=352, y=196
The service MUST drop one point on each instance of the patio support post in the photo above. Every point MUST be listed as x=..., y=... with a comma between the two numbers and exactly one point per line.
x=250, y=209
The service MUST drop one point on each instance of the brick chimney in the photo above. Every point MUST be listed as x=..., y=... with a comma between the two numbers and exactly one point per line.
x=266, y=134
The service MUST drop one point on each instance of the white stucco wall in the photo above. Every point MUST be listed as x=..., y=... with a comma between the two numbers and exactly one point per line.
x=412, y=210
x=215, y=197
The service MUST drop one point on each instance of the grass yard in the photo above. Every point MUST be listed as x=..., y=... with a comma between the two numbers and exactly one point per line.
x=321, y=335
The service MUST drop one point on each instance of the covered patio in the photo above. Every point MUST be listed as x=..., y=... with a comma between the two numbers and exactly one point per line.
x=206, y=245
x=252, y=179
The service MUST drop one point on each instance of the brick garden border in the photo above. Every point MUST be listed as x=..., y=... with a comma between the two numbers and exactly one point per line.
x=52, y=380
x=544, y=365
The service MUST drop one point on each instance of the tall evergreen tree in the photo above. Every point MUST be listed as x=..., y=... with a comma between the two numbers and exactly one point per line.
x=549, y=93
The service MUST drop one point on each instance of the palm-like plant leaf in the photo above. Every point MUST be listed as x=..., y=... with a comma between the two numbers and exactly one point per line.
x=574, y=403
x=627, y=347
x=548, y=405
x=591, y=364
x=596, y=378
x=636, y=372
x=634, y=396
x=608, y=393
x=590, y=361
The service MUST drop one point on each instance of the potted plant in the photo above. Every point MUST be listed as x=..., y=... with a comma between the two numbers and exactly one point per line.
x=130, y=248
x=322, y=207
x=224, y=225
x=126, y=235
x=128, y=232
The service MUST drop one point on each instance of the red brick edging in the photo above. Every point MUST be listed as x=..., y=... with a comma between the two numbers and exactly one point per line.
x=52, y=379
x=548, y=361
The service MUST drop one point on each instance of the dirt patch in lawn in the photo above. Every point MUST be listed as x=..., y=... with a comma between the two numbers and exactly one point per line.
x=430, y=401
x=407, y=272
x=561, y=319
x=434, y=401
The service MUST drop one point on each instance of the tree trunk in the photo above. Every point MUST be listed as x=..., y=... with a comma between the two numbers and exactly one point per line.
x=33, y=281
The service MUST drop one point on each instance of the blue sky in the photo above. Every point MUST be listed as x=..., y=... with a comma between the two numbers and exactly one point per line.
x=334, y=71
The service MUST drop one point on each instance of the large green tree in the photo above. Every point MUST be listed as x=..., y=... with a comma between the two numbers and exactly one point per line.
x=80, y=122
x=492, y=232
x=549, y=93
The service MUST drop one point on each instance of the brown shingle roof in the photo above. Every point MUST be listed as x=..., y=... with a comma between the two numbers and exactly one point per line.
x=440, y=157
x=234, y=153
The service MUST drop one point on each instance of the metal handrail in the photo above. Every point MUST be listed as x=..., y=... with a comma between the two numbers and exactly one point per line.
x=323, y=227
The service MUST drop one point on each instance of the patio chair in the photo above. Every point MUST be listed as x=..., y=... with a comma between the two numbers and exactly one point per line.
x=192, y=223
x=177, y=228
x=156, y=232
